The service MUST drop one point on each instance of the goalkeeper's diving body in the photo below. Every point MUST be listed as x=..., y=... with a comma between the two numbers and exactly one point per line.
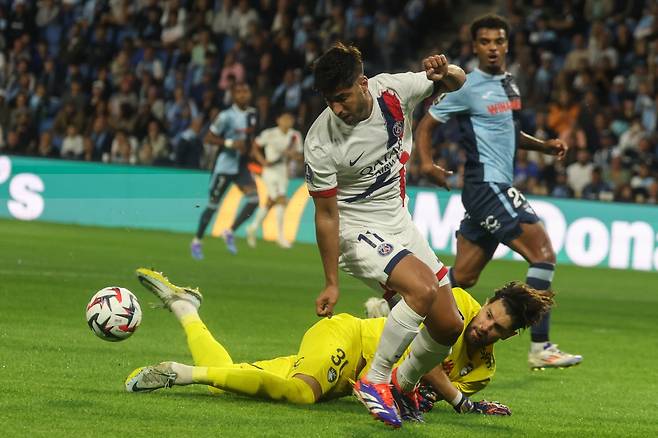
x=335, y=351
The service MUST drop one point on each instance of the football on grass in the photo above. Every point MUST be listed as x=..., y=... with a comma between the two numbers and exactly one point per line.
x=113, y=314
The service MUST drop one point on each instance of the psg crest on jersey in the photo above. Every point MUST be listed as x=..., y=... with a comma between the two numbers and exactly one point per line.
x=398, y=128
x=384, y=249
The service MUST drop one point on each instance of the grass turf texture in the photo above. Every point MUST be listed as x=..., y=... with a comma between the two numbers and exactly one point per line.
x=58, y=379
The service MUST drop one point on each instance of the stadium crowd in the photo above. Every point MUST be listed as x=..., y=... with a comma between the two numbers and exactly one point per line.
x=127, y=81
x=139, y=81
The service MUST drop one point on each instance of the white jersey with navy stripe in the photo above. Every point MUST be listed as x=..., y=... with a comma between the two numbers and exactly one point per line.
x=363, y=165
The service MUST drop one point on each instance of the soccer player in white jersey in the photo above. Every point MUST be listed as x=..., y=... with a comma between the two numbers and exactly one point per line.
x=354, y=154
x=280, y=144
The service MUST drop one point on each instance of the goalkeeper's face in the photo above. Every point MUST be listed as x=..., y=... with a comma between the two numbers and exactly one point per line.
x=490, y=324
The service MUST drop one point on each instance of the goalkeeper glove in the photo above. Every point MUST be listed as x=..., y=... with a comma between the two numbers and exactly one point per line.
x=426, y=397
x=481, y=407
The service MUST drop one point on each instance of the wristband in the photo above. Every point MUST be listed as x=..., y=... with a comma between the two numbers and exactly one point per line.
x=464, y=405
x=457, y=400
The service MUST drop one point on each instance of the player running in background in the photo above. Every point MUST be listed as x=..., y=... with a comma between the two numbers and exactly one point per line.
x=355, y=154
x=280, y=144
x=232, y=131
x=336, y=351
x=487, y=108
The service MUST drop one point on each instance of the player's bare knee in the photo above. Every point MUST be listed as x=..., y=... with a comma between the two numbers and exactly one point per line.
x=420, y=299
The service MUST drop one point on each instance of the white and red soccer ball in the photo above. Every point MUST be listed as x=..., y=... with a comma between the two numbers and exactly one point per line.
x=113, y=314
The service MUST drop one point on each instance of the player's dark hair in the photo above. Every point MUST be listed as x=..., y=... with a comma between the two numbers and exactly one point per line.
x=524, y=304
x=337, y=68
x=489, y=21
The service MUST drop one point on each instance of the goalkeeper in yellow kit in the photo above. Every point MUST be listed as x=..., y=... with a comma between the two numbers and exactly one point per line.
x=335, y=351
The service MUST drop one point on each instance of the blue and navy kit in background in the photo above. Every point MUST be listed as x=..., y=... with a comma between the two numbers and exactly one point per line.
x=233, y=124
x=486, y=109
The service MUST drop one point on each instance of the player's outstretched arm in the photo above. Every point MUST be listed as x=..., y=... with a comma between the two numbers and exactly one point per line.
x=554, y=146
x=423, y=136
x=446, y=390
x=326, y=231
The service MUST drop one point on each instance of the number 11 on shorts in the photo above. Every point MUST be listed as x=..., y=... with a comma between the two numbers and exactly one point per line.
x=364, y=238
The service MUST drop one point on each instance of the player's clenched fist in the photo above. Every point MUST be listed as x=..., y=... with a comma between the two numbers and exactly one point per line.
x=436, y=67
x=324, y=304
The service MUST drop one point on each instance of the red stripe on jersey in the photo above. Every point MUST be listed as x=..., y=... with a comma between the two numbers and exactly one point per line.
x=404, y=157
x=393, y=104
x=442, y=273
x=324, y=193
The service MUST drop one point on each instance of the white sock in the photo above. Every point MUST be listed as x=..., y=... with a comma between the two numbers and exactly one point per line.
x=183, y=373
x=536, y=347
x=280, y=211
x=196, y=240
x=258, y=217
x=399, y=330
x=182, y=308
x=425, y=354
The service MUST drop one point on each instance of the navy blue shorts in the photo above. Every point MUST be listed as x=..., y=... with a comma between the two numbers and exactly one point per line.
x=220, y=182
x=494, y=214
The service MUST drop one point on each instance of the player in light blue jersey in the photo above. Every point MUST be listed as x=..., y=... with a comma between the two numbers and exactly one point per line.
x=233, y=132
x=486, y=109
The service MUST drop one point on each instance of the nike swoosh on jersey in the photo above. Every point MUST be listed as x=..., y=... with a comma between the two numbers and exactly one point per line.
x=352, y=163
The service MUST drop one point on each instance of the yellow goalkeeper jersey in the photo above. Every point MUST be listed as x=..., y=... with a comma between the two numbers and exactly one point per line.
x=468, y=374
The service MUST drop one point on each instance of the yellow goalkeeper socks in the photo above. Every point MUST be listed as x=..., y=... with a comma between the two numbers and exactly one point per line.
x=256, y=383
x=205, y=349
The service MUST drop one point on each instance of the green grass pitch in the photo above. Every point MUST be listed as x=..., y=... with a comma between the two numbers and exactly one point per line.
x=58, y=379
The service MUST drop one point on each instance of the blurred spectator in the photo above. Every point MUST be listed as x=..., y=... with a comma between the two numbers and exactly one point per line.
x=190, y=145
x=617, y=174
x=288, y=95
x=642, y=180
x=242, y=16
x=561, y=188
x=124, y=148
x=579, y=173
x=173, y=29
x=99, y=139
x=150, y=64
x=72, y=145
x=524, y=169
x=652, y=195
x=624, y=193
x=156, y=142
x=562, y=113
x=578, y=54
x=630, y=139
x=46, y=148
x=232, y=69
x=597, y=189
